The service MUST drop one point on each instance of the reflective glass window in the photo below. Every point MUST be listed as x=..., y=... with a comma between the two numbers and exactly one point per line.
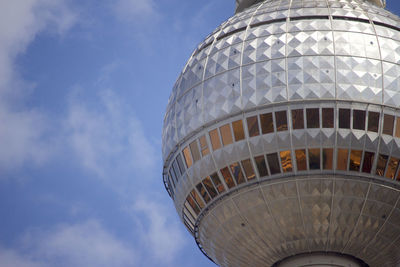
x=190, y=213
x=204, y=146
x=252, y=125
x=359, y=119
x=368, y=161
x=171, y=181
x=314, y=158
x=227, y=177
x=388, y=124
x=197, y=199
x=237, y=173
x=344, y=118
x=238, y=131
x=297, y=119
x=176, y=169
x=248, y=169
x=286, y=160
x=226, y=134
x=210, y=187
x=373, y=121
x=355, y=160
x=392, y=168
x=327, y=158
x=301, y=160
x=215, y=142
x=273, y=163
x=180, y=163
x=281, y=121
x=261, y=166
x=195, y=151
x=312, y=117
x=327, y=118
x=217, y=182
x=381, y=166
x=193, y=205
x=267, y=123
x=342, y=157
x=397, y=132
x=188, y=158
x=203, y=192
x=172, y=174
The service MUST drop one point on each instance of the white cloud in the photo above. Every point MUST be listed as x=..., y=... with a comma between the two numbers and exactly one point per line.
x=11, y=258
x=22, y=131
x=136, y=10
x=161, y=234
x=108, y=139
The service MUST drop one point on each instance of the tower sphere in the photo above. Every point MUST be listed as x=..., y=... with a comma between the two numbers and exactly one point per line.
x=281, y=139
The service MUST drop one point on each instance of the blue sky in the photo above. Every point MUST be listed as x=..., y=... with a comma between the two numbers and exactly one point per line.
x=83, y=90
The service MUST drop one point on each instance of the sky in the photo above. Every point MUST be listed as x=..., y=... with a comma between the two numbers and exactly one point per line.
x=83, y=90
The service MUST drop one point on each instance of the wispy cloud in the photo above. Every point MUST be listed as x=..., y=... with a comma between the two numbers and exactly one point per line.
x=136, y=10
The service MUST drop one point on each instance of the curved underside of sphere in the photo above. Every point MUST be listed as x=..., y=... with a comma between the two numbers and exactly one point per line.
x=265, y=222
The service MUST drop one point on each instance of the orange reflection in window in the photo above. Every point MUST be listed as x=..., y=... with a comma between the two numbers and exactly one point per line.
x=237, y=173
x=286, y=161
x=342, y=158
x=203, y=146
x=248, y=169
x=392, y=168
x=267, y=123
x=355, y=160
x=188, y=158
x=238, y=130
x=301, y=160
x=197, y=198
x=210, y=187
x=227, y=177
x=203, y=192
x=193, y=205
x=327, y=158
x=215, y=142
x=381, y=166
x=217, y=182
x=226, y=134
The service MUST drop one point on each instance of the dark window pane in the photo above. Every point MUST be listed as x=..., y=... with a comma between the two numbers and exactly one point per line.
x=197, y=199
x=195, y=151
x=373, y=121
x=252, y=125
x=226, y=134
x=267, y=123
x=203, y=192
x=392, y=168
x=381, y=166
x=180, y=163
x=344, y=118
x=327, y=118
x=359, y=119
x=248, y=169
x=301, y=160
x=397, y=132
x=215, y=142
x=204, y=146
x=237, y=173
x=368, y=161
x=388, y=124
x=217, y=182
x=193, y=204
x=238, y=131
x=297, y=119
x=355, y=160
x=188, y=158
x=312, y=117
x=327, y=158
x=210, y=187
x=261, y=166
x=281, y=121
x=273, y=163
x=314, y=158
x=286, y=160
x=342, y=157
x=227, y=177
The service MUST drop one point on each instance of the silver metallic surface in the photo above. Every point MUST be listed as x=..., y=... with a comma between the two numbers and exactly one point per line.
x=281, y=55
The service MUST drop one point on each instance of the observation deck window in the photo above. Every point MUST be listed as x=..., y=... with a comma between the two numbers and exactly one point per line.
x=373, y=121
x=392, y=168
x=215, y=141
x=297, y=119
x=342, y=159
x=359, y=119
x=388, y=124
x=238, y=131
x=344, y=118
x=248, y=169
x=327, y=158
x=237, y=173
x=368, y=162
x=203, y=192
x=252, y=125
x=195, y=151
x=397, y=133
x=193, y=204
x=327, y=118
x=381, y=166
x=286, y=160
x=261, y=166
x=188, y=158
x=204, y=146
x=301, y=160
x=355, y=160
x=273, y=163
x=180, y=163
x=226, y=134
x=312, y=117
x=314, y=158
x=267, y=123
x=210, y=187
x=197, y=199
x=217, y=182
x=227, y=177
x=281, y=121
